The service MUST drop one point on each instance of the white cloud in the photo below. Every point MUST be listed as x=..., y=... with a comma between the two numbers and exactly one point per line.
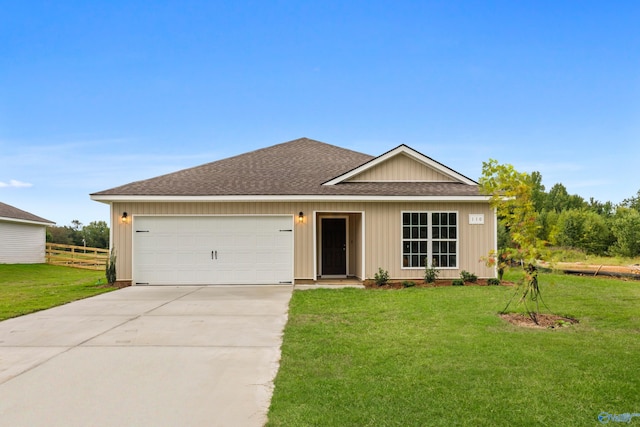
x=14, y=183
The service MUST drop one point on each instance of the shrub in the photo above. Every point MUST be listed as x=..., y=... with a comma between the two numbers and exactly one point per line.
x=430, y=274
x=408, y=284
x=111, y=268
x=381, y=277
x=493, y=282
x=465, y=276
x=458, y=282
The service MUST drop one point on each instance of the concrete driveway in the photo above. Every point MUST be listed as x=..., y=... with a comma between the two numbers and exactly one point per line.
x=145, y=356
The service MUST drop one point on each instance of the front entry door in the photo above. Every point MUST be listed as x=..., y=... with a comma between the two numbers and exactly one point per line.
x=334, y=247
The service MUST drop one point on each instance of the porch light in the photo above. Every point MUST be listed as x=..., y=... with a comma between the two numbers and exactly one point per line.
x=301, y=217
x=124, y=218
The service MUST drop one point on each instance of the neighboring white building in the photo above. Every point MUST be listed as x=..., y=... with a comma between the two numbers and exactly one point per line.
x=22, y=236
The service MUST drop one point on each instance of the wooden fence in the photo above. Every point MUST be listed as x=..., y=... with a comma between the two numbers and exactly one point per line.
x=77, y=256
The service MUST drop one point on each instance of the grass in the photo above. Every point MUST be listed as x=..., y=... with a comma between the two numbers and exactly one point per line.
x=26, y=288
x=442, y=356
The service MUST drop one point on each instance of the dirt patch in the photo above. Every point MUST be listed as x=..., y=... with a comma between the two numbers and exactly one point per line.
x=583, y=269
x=545, y=321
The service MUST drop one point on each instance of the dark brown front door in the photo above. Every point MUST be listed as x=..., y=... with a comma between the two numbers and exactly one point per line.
x=334, y=246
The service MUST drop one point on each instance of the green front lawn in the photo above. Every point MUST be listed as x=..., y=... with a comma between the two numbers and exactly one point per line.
x=25, y=288
x=442, y=356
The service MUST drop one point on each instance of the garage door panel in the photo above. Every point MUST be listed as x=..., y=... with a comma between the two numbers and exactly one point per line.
x=154, y=275
x=163, y=240
x=186, y=241
x=213, y=250
x=193, y=259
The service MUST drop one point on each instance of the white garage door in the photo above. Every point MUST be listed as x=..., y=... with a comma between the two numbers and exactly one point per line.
x=202, y=250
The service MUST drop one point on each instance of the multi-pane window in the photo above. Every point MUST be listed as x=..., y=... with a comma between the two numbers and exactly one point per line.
x=430, y=236
x=444, y=239
x=415, y=231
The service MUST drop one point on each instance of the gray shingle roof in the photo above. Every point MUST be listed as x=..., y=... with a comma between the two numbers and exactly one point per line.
x=293, y=168
x=8, y=211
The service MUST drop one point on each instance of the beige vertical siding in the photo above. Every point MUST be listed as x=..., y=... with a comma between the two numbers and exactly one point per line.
x=384, y=238
x=383, y=244
x=401, y=168
x=355, y=239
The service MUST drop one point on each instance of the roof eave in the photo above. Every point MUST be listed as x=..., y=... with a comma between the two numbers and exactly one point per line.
x=26, y=221
x=286, y=198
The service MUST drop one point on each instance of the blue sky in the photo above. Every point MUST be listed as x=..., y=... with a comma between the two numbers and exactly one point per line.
x=101, y=93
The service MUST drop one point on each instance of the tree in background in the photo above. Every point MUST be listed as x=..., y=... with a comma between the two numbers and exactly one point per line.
x=583, y=229
x=75, y=232
x=512, y=196
x=632, y=202
x=537, y=191
x=569, y=221
x=558, y=199
x=59, y=235
x=625, y=226
x=605, y=210
x=95, y=235
x=547, y=226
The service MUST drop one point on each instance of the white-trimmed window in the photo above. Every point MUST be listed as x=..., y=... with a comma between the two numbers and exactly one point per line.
x=431, y=236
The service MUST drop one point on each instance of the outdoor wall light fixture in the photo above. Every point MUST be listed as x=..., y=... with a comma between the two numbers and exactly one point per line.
x=301, y=217
x=124, y=218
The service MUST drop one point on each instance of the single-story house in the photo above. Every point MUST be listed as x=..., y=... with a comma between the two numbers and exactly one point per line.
x=299, y=212
x=23, y=236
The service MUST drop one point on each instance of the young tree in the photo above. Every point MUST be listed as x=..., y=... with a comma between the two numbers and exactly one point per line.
x=512, y=196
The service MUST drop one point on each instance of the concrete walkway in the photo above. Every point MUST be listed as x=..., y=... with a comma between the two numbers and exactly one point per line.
x=145, y=356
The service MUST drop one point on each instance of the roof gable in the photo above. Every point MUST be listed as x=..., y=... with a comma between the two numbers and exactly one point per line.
x=400, y=168
x=13, y=214
x=402, y=164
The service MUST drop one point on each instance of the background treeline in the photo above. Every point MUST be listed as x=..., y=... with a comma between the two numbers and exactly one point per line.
x=567, y=220
x=95, y=234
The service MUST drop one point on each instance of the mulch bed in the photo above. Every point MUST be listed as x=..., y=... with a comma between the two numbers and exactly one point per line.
x=397, y=284
x=118, y=284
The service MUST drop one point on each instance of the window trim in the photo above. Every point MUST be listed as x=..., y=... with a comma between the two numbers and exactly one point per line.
x=429, y=239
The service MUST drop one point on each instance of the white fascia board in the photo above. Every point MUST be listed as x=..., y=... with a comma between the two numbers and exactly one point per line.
x=402, y=149
x=289, y=198
x=26, y=221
